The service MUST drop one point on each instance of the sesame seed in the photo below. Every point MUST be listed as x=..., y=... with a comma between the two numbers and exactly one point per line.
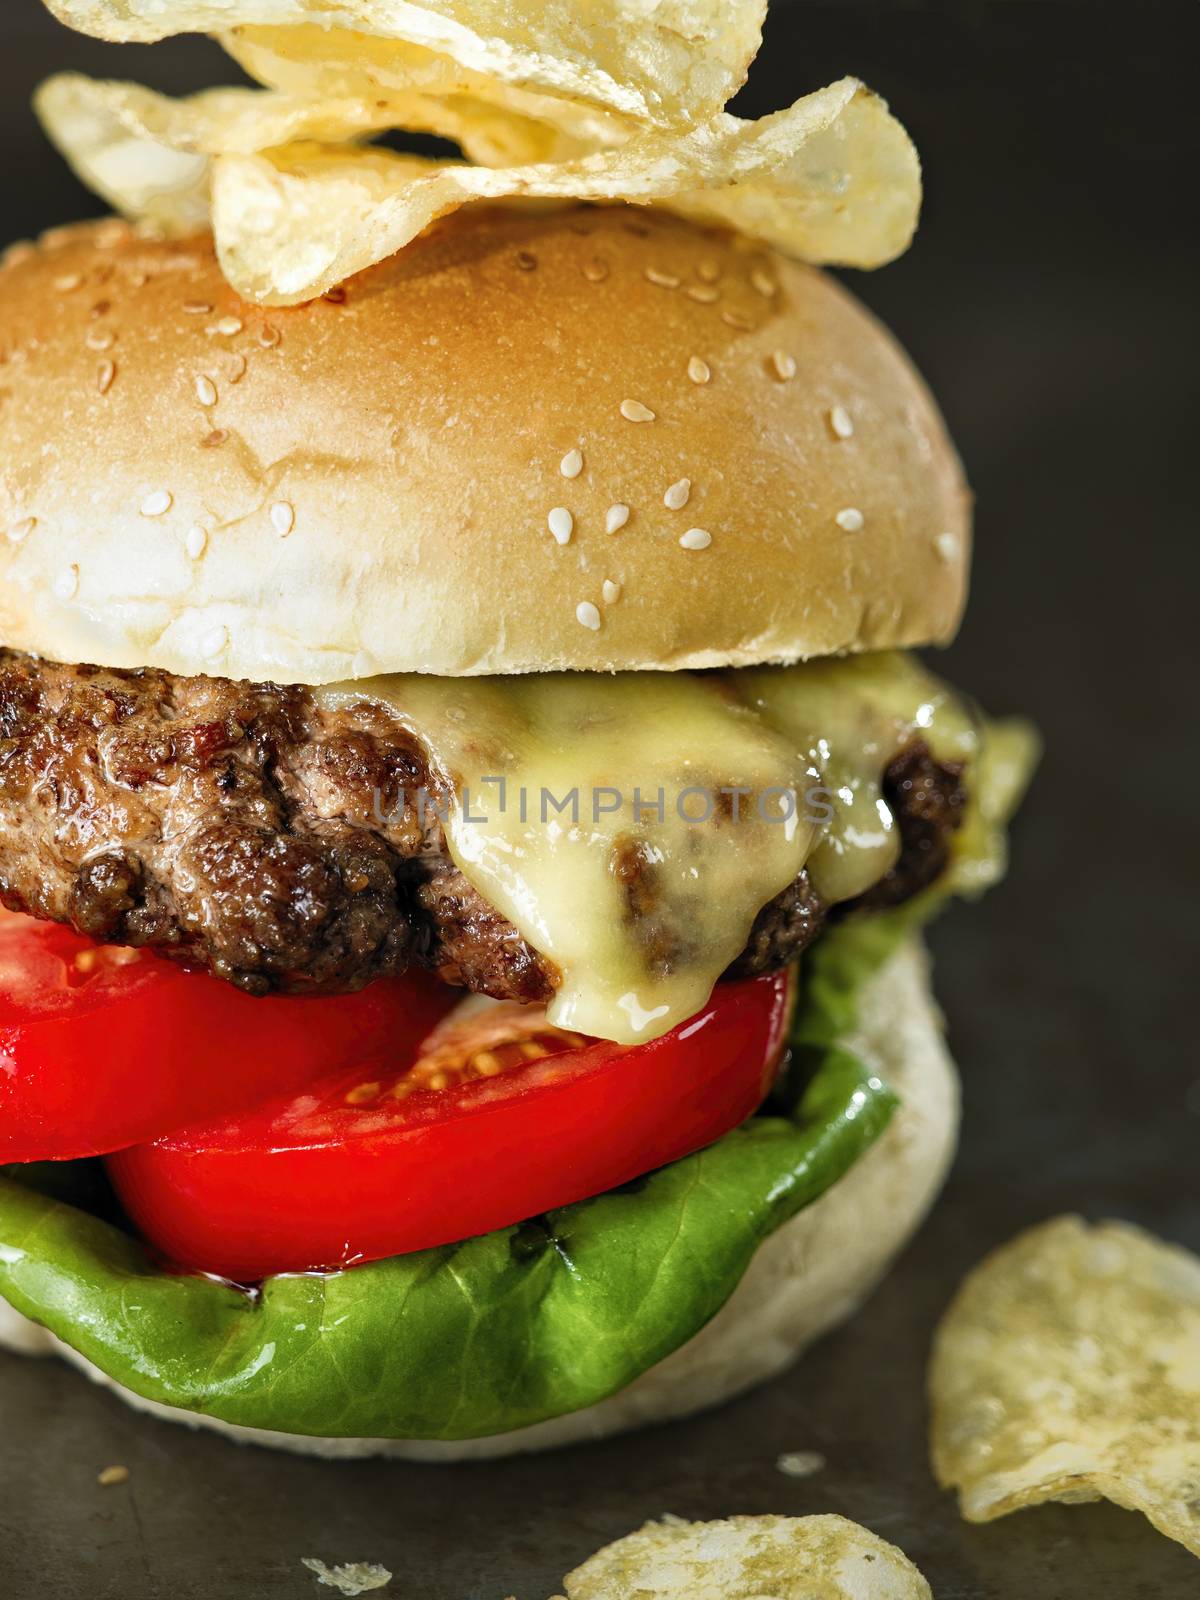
x=763, y=282
x=947, y=546
x=268, y=336
x=677, y=495
x=708, y=270
x=110, y=1477
x=138, y=280
x=615, y=518
x=635, y=411
x=155, y=504
x=196, y=542
x=100, y=339
x=213, y=641
x=561, y=524
x=67, y=582
x=228, y=326
x=105, y=373
x=737, y=319
x=696, y=539
x=283, y=518
x=784, y=365
x=588, y=614
x=841, y=422
x=611, y=592
x=21, y=530
x=206, y=390
x=68, y=281
x=705, y=293
x=571, y=464
x=237, y=368
x=197, y=308
x=526, y=260
x=596, y=270
x=698, y=371
x=664, y=280
x=851, y=519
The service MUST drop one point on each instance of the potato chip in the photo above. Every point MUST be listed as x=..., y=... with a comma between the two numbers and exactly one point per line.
x=1068, y=1368
x=291, y=223
x=749, y=1558
x=144, y=152
x=667, y=62
x=338, y=63
x=137, y=173
x=615, y=101
x=848, y=192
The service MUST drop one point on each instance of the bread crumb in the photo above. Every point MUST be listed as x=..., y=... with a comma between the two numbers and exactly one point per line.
x=111, y=1476
x=801, y=1463
x=354, y=1578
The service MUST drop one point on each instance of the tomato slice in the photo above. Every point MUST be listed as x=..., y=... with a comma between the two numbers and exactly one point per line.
x=102, y=1047
x=500, y=1117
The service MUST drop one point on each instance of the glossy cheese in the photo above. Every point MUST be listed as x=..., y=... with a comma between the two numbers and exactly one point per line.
x=632, y=826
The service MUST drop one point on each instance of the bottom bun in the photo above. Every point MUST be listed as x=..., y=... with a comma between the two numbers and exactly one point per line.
x=806, y=1278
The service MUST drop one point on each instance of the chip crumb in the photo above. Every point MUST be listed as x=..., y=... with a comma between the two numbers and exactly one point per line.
x=110, y=1477
x=801, y=1463
x=354, y=1578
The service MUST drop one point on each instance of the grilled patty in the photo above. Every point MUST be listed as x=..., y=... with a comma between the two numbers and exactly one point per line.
x=245, y=829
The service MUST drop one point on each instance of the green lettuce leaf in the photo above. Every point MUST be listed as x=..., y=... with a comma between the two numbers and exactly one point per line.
x=516, y=1326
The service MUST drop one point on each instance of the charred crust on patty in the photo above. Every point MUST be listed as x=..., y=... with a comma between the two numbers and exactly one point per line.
x=928, y=798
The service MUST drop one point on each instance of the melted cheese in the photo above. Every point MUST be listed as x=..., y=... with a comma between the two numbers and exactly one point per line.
x=632, y=827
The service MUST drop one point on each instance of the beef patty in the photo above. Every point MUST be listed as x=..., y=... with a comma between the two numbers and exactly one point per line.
x=245, y=829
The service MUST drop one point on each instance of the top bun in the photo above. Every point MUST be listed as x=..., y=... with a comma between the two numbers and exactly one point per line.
x=363, y=484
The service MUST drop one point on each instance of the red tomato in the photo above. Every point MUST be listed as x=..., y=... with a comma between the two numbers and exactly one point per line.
x=501, y=1117
x=102, y=1047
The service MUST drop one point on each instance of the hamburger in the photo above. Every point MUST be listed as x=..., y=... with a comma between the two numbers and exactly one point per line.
x=467, y=809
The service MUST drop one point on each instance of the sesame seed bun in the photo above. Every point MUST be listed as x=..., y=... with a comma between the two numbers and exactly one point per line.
x=421, y=470
x=805, y=1279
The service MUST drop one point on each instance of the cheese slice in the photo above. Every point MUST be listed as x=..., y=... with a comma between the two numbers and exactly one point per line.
x=632, y=826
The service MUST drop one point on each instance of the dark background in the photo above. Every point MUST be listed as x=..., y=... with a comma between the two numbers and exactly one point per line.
x=1049, y=299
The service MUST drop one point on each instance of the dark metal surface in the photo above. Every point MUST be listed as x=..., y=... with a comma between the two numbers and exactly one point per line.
x=1049, y=299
